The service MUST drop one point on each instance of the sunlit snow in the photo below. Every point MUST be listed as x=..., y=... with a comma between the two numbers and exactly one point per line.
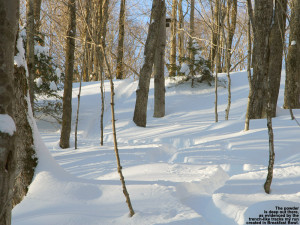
x=182, y=169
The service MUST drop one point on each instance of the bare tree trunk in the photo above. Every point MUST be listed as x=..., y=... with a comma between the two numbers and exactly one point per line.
x=231, y=31
x=173, y=40
x=87, y=47
x=159, y=70
x=214, y=36
x=125, y=192
x=247, y=120
x=218, y=55
x=277, y=39
x=8, y=29
x=120, y=66
x=292, y=84
x=140, y=111
x=25, y=152
x=181, y=33
x=17, y=158
x=192, y=31
x=267, y=185
x=69, y=68
x=77, y=114
x=30, y=47
x=102, y=23
x=261, y=48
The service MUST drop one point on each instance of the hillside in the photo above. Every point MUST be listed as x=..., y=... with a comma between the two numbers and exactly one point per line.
x=183, y=169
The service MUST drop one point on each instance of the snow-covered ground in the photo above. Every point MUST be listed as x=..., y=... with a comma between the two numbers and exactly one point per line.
x=183, y=169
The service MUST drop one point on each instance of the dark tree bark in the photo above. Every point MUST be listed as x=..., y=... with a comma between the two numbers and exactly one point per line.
x=262, y=22
x=120, y=56
x=69, y=68
x=277, y=38
x=8, y=30
x=267, y=185
x=292, y=83
x=249, y=59
x=25, y=153
x=87, y=48
x=159, y=70
x=30, y=47
x=268, y=24
x=17, y=156
x=140, y=111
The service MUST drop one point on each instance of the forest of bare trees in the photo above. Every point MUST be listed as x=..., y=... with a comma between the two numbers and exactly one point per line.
x=99, y=40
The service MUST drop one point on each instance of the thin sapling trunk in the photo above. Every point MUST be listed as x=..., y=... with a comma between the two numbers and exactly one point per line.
x=267, y=185
x=77, y=114
x=128, y=201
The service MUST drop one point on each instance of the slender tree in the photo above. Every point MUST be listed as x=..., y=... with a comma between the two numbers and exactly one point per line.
x=77, y=114
x=192, y=34
x=181, y=33
x=267, y=185
x=69, y=69
x=120, y=66
x=218, y=55
x=173, y=39
x=231, y=30
x=112, y=103
x=214, y=33
x=87, y=42
x=101, y=37
x=140, y=111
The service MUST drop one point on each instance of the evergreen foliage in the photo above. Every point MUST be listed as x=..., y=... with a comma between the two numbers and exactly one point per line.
x=48, y=81
x=197, y=66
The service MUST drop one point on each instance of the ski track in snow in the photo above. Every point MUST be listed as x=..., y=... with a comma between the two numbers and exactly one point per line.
x=180, y=169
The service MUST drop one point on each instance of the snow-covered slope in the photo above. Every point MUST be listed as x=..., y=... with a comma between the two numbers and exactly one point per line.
x=182, y=169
